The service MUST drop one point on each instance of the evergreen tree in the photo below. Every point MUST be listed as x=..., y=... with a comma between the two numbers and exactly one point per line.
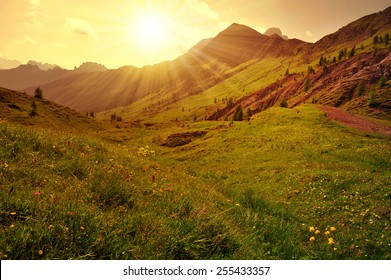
x=284, y=103
x=341, y=54
x=386, y=39
x=33, y=109
x=38, y=93
x=360, y=88
x=382, y=82
x=375, y=39
x=352, y=51
x=238, y=115
x=307, y=84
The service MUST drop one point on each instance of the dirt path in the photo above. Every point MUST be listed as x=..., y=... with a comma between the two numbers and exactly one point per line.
x=357, y=122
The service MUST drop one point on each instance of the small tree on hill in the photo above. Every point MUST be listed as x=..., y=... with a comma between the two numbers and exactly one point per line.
x=386, y=39
x=382, y=82
x=352, y=51
x=360, y=88
x=284, y=103
x=375, y=39
x=238, y=115
x=307, y=84
x=38, y=93
x=33, y=109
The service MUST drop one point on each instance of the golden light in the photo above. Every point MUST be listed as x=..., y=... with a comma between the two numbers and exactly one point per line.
x=149, y=30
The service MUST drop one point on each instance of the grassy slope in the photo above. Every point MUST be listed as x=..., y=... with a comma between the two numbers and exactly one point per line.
x=247, y=78
x=251, y=190
x=16, y=107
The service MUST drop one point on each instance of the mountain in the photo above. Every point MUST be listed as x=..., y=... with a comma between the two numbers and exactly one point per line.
x=42, y=66
x=357, y=31
x=240, y=43
x=90, y=67
x=34, y=74
x=274, y=30
x=26, y=75
x=205, y=65
x=233, y=60
x=8, y=63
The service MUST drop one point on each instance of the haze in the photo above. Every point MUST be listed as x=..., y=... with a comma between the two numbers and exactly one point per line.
x=117, y=33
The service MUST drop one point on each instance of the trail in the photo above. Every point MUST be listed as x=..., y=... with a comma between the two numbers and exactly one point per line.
x=356, y=122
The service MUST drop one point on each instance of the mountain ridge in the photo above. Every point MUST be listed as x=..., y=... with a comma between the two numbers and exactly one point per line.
x=208, y=63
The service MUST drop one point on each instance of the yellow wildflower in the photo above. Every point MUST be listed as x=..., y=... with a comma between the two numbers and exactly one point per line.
x=12, y=226
x=317, y=231
x=312, y=229
x=312, y=238
x=335, y=249
x=333, y=229
x=13, y=213
x=40, y=252
x=331, y=241
x=327, y=233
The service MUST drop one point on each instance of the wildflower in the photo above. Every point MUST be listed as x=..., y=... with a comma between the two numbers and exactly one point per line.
x=40, y=252
x=237, y=205
x=333, y=229
x=317, y=231
x=331, y=241
x=312, y=238
x=312, y=229
x=13, y=213
x=37, y=193
x=327, y=233
x=12, y=226
x=335, y=249
x=82, y=228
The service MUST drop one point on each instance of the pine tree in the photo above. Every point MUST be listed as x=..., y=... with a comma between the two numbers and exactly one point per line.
x=33, y=109
x=375, y=39
x=238, y=115
x=386, y=39
x=382, y=82
x=352, y=51
x=284, y=103
x=307, y=84
x=360, y=88
x=38, y=93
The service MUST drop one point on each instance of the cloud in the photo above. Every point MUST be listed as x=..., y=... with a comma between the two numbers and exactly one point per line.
x=80, y=26
x=203, y=9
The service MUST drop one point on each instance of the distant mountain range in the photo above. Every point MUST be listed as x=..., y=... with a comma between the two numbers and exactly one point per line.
x=93, y=88
x=35, y=74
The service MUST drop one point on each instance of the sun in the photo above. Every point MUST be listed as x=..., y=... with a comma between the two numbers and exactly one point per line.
x=149, y=30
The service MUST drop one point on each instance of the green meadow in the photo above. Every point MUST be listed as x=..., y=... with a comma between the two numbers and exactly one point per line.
x=288, y=184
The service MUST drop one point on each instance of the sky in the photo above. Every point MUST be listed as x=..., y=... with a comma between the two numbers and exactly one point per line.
x=143, y=32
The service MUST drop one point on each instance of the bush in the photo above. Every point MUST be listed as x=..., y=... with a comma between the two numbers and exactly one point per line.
x=284, y=103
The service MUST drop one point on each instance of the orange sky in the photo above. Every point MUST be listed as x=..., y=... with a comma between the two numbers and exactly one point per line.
x=141, y=32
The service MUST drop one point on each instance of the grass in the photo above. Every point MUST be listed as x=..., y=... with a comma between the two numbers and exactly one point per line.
x=250, y=190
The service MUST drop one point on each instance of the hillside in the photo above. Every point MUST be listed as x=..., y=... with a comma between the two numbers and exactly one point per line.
x=201, y=68
x=290, y=184
x=18, y=107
